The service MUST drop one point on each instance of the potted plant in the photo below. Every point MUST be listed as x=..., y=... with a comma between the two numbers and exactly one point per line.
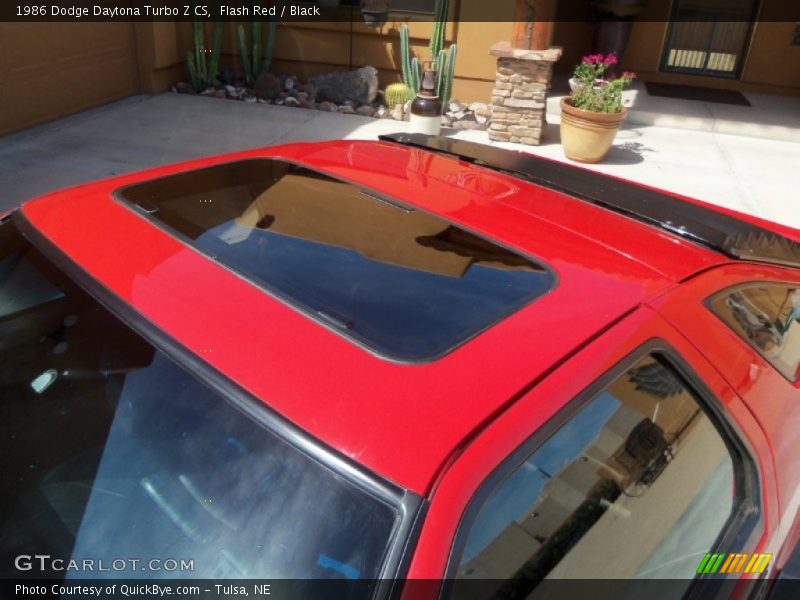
x=592, y=115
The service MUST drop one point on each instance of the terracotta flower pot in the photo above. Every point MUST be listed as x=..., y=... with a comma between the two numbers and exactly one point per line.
x=586, y=136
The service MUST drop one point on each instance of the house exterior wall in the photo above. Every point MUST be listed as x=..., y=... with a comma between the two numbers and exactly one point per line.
x=771, y=63
x=53, y=69
x=49, y=70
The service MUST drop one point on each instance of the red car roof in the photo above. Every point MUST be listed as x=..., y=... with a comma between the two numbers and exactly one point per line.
x=404, y=421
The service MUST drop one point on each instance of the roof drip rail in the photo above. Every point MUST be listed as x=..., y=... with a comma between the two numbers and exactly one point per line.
x=719, y=231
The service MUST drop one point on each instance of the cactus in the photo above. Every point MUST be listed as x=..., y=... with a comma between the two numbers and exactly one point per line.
x=253, y=64
x=269, y=51
x=447, y=75
x=202, y=67
x=445, y=60
x=439, y=25
x=397, y=93
x=410, y=65
x=416, y=75
x=441, y=64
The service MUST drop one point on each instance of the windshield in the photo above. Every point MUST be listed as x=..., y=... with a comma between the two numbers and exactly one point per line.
x=114, y=452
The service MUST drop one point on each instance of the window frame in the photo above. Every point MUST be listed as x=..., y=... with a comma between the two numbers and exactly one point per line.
x=746, y=519
x=709, y=304
x=409, y=506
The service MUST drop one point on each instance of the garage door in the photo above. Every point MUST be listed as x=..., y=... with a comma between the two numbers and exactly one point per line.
x=48, y=70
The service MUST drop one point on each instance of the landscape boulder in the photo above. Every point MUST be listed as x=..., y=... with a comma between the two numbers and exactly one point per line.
x=350, y=87
x=267, y=86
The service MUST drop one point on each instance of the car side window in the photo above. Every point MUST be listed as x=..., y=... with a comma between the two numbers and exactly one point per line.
x=766, y=316
x=638, y=483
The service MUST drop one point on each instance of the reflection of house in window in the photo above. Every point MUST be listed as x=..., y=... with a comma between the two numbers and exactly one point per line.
x=618, y=493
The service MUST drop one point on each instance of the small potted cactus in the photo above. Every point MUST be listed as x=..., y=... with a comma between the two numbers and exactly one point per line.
x=397, y=93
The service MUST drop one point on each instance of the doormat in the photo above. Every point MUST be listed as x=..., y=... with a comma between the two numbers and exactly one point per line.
x=691, y=92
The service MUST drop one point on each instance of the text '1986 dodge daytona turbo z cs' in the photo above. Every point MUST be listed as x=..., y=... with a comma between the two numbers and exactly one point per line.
x=379, y=363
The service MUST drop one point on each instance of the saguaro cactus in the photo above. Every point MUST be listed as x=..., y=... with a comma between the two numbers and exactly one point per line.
x=203, y=63
x=446, y=76
x=410, y=65
x=445, y=59
x=253, y=64
x=439, y=26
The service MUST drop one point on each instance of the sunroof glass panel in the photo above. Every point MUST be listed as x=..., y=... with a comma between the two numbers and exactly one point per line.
x=402, y=282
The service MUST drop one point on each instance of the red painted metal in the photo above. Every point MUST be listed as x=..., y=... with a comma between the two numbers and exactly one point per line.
x=519, y=422
x=773, y=400
x=406, y=422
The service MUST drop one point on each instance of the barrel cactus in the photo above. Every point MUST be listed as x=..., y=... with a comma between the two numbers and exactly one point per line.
x=397, y=93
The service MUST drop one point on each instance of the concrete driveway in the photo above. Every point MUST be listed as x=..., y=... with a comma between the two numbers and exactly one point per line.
x=757, y=176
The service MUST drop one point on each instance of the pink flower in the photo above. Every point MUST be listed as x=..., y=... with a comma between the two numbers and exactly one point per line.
x=592, y=59
x=609, y=60
x=629, y=74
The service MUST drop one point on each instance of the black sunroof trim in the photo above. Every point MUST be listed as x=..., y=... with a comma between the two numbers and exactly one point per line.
x=716, y=230
x=308, y=312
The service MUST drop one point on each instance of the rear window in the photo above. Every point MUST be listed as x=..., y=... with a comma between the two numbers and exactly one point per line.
x=110, y=452
x=404, y=283
x=766, y=316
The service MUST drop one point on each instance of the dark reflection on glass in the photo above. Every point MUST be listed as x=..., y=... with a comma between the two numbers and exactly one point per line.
x=767, y=316
x=109, y=450
x=408, y=284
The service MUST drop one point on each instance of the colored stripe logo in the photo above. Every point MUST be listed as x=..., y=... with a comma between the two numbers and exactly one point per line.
x=734, y=563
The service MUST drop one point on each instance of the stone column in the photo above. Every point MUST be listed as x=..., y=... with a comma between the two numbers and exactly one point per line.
x=519, y=99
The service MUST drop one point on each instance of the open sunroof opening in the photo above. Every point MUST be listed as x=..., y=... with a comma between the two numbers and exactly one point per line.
x=401, y=282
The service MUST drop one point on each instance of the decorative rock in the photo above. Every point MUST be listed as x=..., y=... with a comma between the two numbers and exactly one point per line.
x=407, y=107
x=478, y=107
x=346, y=109
x=291, y=101
x=466, y=124
x=219, y=94
x=359, y=86
x=327, y=106
x=250, y=99
x=398, y=112
x=306, y=103
x=184, y=88
x=365, y=110
x=382, y=113
x=267, y=86
x=231, y=90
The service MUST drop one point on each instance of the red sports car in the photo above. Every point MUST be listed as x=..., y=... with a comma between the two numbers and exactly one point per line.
x=416, y=358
